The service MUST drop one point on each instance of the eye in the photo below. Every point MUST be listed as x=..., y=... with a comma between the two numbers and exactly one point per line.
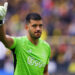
x=34, y=25
x=40, y=25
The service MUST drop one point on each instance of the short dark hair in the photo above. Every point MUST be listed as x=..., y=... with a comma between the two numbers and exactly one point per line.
x=33, y=16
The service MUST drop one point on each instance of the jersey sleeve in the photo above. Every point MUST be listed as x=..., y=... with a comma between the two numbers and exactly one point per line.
x=14, y=44
x=49, y=54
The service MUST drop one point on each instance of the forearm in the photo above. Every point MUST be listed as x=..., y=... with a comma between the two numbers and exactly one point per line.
x=7, y=41
x=2, y=33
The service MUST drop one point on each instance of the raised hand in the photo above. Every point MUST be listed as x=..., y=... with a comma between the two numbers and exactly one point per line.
x=3, y=10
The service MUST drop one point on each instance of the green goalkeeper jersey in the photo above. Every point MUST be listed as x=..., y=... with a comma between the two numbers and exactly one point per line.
x=30, y=59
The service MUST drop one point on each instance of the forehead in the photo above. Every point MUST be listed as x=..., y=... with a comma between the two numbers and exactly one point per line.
x=35, y=21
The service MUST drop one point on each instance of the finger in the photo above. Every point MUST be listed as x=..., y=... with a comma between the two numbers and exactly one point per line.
x=2, y=12
x=6, y=5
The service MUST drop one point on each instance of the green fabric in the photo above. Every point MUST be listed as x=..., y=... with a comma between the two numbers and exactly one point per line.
x=31, y=59
x=13, y=46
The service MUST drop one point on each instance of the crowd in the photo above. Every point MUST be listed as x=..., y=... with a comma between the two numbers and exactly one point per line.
x=59, y=31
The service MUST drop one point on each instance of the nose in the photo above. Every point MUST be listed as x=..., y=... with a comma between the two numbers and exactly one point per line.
x=38, y=28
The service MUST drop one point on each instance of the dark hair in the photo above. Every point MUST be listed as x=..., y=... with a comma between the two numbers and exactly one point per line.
x=33, y=16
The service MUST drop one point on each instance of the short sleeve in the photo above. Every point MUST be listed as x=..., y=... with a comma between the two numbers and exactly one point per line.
x=14, y=44
x=49, y=54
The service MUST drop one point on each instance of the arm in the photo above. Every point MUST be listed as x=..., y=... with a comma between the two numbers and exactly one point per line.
x=8, y=41
x=46, y=70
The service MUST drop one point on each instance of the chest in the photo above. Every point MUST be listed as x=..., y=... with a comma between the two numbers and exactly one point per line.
x=34, y=55
x=35, y=51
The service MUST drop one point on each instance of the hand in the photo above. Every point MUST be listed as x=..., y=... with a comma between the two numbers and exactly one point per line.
x=3, y=10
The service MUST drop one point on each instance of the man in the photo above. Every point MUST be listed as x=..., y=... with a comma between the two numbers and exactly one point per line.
x=31, y=54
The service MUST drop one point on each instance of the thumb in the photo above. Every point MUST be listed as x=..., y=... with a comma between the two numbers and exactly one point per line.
x=6, y=5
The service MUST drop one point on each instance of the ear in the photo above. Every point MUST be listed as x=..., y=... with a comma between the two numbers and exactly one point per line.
x=26, y=27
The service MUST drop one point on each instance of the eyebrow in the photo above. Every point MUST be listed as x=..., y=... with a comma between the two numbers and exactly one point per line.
x=34, y=24
x=37, y=24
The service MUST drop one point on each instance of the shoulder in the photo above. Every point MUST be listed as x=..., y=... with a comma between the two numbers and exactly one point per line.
x=45, y=44
x=19, y=38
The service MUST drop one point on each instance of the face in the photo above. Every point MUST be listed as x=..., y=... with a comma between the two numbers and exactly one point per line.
x=35, y=28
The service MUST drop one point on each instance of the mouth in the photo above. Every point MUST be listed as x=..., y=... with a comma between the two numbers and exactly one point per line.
x=37, y=32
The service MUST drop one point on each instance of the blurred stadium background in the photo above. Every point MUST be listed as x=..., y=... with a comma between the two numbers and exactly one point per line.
x=59, y=32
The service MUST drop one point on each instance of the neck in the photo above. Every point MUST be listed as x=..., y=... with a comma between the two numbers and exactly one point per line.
x=34, y=41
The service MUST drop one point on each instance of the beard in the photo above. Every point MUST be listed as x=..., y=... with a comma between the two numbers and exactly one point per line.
x=33, y=35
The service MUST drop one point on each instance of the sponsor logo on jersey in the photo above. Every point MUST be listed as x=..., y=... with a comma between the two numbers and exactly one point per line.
x=32, y=61
x=29, y=51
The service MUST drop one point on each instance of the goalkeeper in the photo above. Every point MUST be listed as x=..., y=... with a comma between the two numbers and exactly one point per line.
x=31, y=54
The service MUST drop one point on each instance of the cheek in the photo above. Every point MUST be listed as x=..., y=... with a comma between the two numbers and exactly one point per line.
x=30, y=30
x=33, y=29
